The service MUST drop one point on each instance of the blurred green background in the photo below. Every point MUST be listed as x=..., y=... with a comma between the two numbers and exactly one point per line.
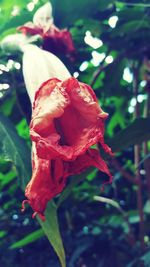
x=112, y=41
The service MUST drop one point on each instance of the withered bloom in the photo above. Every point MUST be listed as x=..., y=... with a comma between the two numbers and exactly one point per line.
x=54, y=40
x=66, y=121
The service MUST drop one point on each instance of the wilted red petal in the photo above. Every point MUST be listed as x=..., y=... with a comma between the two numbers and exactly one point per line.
x=89, y=159
x=58, y=41
x=66, y=119
x=66, y=122
x=49, y=178
x=46, y=182
x=54, y=40
x=30, y=28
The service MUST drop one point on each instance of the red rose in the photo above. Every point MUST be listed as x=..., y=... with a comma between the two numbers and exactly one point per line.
x=66, y=122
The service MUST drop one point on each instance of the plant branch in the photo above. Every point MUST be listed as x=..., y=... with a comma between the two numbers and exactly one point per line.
x=103, y=67
x=123, y=172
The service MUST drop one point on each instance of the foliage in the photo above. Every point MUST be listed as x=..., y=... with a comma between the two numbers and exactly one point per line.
x=98, y=228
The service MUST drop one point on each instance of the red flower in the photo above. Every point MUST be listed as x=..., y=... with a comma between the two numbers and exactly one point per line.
x=66, y=122
x=54, y=39
x=58, y=41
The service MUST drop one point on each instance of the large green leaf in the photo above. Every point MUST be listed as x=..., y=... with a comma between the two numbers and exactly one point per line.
x=14, y=22
x=130, y=14
x=132, y=26
x=13, y=148
x=51, y=229
x=136, y=133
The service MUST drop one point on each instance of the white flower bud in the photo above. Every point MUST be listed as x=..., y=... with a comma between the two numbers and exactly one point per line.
x=43, y=17
x=39, y=66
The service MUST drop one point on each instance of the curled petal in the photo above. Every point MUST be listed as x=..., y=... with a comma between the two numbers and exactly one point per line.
x=66, y=122
x=49, y=178
x=89, y=159
x=46, y=182
x=70, y=103
x=58, y=41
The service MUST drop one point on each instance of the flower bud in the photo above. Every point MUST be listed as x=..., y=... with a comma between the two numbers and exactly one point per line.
x=39, y=66
x=43, y=17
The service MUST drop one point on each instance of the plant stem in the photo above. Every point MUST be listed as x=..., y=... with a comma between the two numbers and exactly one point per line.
x=137, y=153
x=98, y=72
x=145, y=147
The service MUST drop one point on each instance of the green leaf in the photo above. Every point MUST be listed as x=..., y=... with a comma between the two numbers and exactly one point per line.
x=115, y=71
x=77, y=179
x=8, y=5
x=92, y=175
x=147, y=207
x=130, y=14
x=7, y=107
x=15, y=149
x=9, y=204
x=2, y=234
x=7, y=178
x=51, y=229
x=28, y=239
x=23, y=129
x=7, y=32
x=14, y=22
x=136, y=133
x=146, y=259
x=116, y=120
x=132, y=26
